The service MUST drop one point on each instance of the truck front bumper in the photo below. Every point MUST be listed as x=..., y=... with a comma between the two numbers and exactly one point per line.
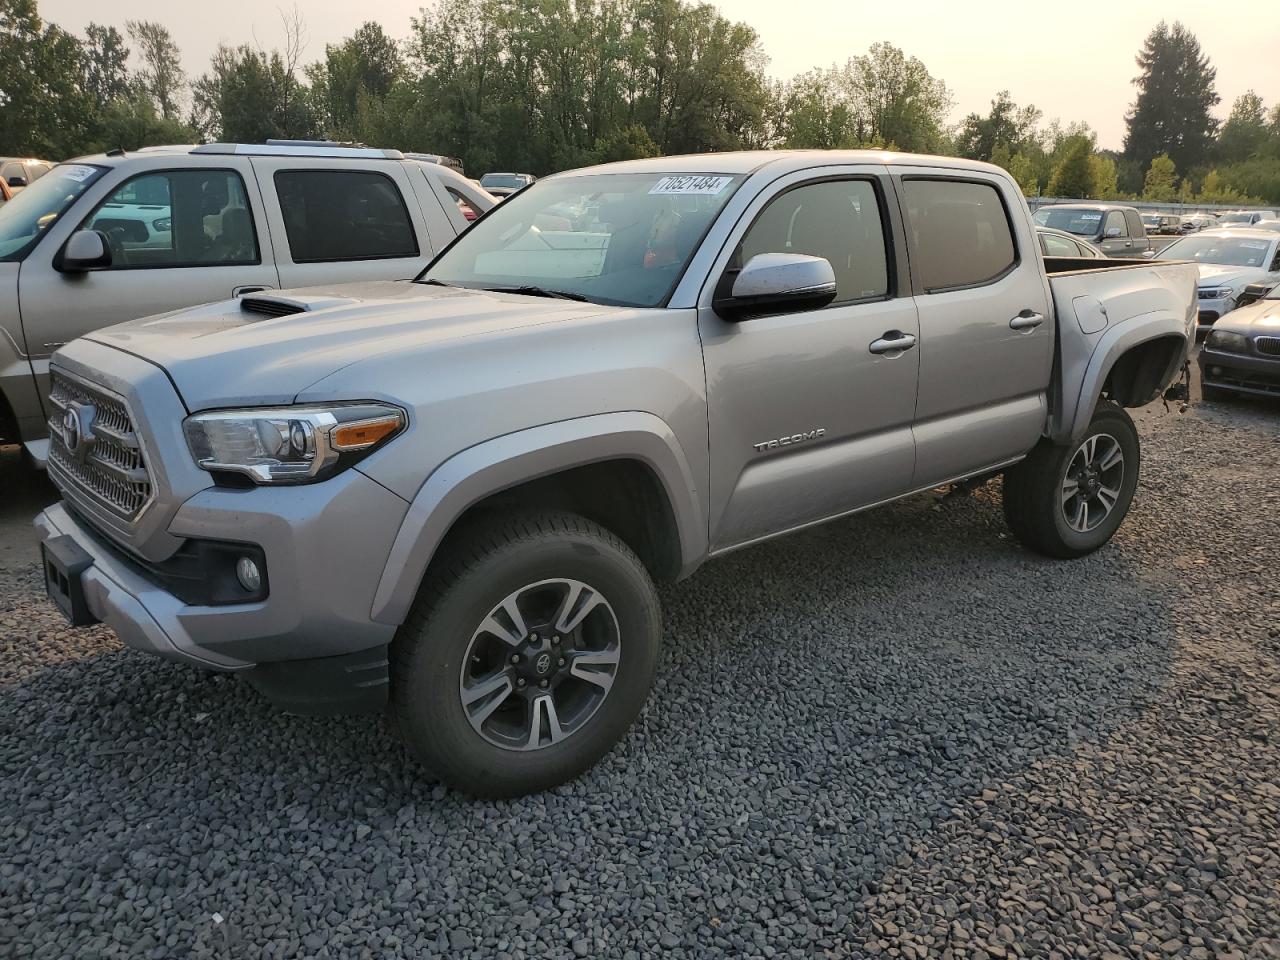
x=310, y=645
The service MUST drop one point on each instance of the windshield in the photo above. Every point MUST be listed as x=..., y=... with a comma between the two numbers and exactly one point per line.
x=1235, y=218
x=1228, y=251
x=33, y=210
x=501, y=180
x=1083, y=223
x=608, y=238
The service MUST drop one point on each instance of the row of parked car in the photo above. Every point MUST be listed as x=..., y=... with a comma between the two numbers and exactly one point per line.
x=1172, y=224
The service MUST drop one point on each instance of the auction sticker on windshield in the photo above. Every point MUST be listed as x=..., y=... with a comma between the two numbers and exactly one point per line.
x=77, y=172
x=706, y=186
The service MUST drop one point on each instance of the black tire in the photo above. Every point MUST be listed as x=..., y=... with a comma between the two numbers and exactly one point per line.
x=1034, y=490
x=484, y=565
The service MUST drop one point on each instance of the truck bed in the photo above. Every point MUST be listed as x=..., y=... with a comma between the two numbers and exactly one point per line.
x=1102, y=308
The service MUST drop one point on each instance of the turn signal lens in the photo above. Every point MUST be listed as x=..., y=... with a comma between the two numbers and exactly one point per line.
x=364, y=434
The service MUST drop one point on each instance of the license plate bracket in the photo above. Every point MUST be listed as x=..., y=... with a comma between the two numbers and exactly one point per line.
x=64, y=562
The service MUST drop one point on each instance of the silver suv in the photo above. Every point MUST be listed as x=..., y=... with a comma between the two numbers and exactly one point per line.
x=452, y=497
x=109, y=238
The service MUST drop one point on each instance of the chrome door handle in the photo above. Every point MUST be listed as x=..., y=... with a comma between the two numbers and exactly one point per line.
x=892, y=342
x=1026, y=321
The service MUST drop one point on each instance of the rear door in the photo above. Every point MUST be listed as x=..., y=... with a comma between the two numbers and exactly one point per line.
x=986, y=330
x=179, y=236
x=808, y=417
x=338, y=220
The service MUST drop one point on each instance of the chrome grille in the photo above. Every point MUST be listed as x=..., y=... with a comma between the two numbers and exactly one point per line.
x=1268, y=345
x=112, y=472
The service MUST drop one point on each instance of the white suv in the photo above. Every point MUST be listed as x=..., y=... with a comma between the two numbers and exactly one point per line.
x=104, y=239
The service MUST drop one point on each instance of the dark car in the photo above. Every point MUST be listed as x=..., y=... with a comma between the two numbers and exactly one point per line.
x=1115, y=228
x=1242, y=352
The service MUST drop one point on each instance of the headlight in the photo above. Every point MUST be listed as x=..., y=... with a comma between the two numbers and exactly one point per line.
x=1215, y=293
x=290, y=444
x=1227, y=342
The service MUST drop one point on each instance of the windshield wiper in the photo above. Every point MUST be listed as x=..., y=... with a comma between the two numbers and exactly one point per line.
x=531, y=291
x=434, y=283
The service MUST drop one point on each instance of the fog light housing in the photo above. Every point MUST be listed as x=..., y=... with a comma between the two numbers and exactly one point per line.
x=249, y=575
x=1216, y=371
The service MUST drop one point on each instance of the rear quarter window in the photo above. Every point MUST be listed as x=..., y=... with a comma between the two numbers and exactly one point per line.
x=960, y=232
x=340, y=215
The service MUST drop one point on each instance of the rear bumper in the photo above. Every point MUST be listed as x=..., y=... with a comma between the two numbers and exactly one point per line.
x=1240, y=372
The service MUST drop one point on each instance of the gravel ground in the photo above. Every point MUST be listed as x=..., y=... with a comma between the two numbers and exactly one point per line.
x=896, y=735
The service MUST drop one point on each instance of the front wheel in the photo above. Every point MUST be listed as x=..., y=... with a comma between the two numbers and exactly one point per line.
x=1067, y=501
x=529, y=652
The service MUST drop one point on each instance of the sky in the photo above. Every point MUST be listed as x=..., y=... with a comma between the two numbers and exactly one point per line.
x=1078, y=65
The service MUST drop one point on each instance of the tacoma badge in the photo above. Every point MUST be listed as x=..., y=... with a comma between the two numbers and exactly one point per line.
x=788, y=441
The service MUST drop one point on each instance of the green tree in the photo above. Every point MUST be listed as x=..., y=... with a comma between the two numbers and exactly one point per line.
x=350, y=86
x=1246, y=131
x=1074, y=174
x=1161, y=180
x=105, y=65
x=1105, y=186
x=1006, y=123
x=1172, y=114
x=43, y=109
x=249, y=96
x=130, y=122
x=815, y=113
x=628, y=143
x=161, y=75
x=1022, y=169
x=898, y=101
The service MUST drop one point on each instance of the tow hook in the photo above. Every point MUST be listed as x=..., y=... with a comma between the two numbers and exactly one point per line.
x=1180, y=392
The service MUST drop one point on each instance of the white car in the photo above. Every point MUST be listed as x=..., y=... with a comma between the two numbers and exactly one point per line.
x=1229, y=259
x=1244, y=218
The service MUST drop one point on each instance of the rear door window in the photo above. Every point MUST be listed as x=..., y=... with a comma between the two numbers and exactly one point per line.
x=178, y=218
x=960, y=232
x=339, y=215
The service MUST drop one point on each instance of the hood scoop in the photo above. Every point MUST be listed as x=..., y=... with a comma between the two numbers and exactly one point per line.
x=265, y=305
x=271, y=306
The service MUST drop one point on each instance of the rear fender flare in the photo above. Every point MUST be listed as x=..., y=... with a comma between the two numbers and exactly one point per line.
x=504, y=462
x=1114, y=344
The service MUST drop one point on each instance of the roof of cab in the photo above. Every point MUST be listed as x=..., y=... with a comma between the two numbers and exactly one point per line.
x=749, y=161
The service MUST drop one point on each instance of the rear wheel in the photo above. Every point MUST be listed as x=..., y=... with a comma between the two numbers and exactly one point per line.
x=1067, y=501
x=529, y=652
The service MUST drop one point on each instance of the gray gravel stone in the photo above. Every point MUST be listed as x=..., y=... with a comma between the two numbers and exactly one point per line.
x=896, y=735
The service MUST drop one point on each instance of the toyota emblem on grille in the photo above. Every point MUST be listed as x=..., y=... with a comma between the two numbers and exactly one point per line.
x=77, y=429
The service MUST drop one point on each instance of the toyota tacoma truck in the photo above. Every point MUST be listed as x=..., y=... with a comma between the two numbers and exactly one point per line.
x=450, y=498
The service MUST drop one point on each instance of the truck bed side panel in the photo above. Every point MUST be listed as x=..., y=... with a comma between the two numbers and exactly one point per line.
x=1102, y=313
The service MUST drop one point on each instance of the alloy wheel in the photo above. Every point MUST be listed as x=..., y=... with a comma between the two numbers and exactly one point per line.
x=1092, y=484
x=540, y=664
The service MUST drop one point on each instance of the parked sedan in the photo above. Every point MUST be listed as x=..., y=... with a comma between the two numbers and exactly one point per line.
x=505, y=184
x=1059, y=243
x=1229, y=260
x=1196, y=222
x=1242, y=353
x=20, y=172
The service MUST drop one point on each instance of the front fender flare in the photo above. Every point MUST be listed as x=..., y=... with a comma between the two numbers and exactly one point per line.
x=504, y=462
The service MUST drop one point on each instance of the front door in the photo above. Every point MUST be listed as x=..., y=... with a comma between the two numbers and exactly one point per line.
x=809, y=418
x=178, y=238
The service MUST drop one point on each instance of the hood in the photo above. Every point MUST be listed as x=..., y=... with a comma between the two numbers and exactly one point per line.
x=1260, y=317
x=237, y=352
x=1219, y=274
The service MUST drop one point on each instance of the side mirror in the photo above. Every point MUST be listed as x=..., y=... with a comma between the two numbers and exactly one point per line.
x=17, y=181
x=1113, y=232
x=86, y=250
x=778, y=283
x=1148, y=254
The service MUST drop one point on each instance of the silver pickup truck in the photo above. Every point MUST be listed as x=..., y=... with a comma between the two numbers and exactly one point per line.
x=452, y=496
